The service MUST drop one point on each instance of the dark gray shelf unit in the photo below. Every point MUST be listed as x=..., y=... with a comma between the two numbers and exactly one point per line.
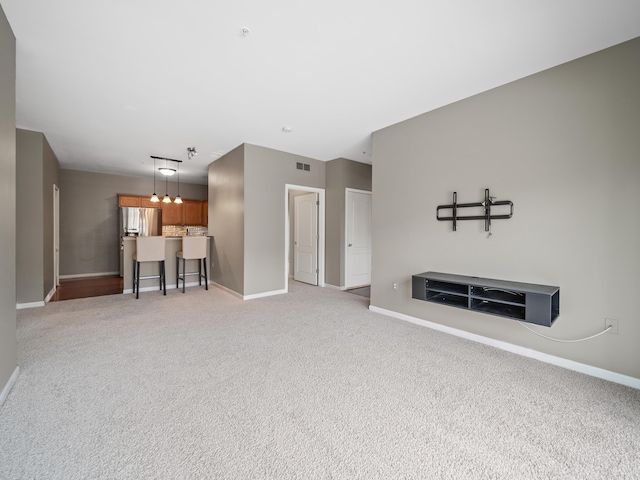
x=528, y=302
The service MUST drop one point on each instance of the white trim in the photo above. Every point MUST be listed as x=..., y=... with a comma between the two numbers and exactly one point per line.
x=253, y=296
x=228, y=290
x=321, y=235
x=56, y=236
x=248, y=297
x=525, y=352
x=7, y=388
x=83, y=275
x=50, y=294
x=334, y=287
x=20, y=306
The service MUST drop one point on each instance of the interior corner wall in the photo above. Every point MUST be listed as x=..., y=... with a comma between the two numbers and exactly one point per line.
x=8, y=361
x=563, y=146
x=226, y=219
x=266, y=173
x=50, y=177
x=89, y=230
x=340, y=175
x=29, y=217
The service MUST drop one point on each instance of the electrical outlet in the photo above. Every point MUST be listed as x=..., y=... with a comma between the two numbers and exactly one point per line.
x=395, y=285
x=610, y=322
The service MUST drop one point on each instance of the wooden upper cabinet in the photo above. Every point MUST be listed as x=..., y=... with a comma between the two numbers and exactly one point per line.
x=147, y=203
x=128, y=201
x=172, y=213
x=205, y=213
x=192, y=212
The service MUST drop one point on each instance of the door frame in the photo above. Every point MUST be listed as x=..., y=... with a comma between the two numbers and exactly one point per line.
x=321, y=231
x=56, y=236
x=346, y=231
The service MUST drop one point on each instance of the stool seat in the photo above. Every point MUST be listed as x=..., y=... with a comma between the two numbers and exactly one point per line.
x=193, y=248
x=149, y=249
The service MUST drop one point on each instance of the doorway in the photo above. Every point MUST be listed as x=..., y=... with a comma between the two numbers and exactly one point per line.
x=308, y=267
x=358, y=238
x=305, y=238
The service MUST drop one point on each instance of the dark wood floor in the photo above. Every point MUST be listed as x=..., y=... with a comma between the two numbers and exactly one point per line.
x=87, y=287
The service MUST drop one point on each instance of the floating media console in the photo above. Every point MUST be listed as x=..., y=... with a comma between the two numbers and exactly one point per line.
x=527, y=302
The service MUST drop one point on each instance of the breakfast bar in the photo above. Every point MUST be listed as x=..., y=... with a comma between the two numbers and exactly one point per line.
x=172, y=246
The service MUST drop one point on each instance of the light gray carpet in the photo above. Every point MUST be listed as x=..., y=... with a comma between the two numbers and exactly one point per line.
x=308, y=385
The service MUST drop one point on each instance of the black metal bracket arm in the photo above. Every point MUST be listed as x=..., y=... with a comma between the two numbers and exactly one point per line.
x=488, y=202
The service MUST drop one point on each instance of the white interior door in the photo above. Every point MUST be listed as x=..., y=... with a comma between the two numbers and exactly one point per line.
x=56, y=236
x=358, y=228
x=305, y=239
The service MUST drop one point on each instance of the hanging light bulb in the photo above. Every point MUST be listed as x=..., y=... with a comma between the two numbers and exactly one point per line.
x=178, y=199
x=167, y=198
x=154, y=198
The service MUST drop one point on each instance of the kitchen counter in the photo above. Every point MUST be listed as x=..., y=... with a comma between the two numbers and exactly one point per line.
x=172, y=246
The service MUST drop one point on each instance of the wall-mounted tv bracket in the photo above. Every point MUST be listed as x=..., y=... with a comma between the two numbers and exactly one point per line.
x=489, y=201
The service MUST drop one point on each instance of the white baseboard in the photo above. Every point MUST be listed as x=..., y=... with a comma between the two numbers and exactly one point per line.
x=50, y=294
x=525, y=352
x=252, y=296
x=84, y=275
x=334, y=287
x=264, y=294
x=228, y=290
x=7, y=388
x=20, y=306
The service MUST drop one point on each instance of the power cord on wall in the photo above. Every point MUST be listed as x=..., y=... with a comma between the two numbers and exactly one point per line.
x=567, y=341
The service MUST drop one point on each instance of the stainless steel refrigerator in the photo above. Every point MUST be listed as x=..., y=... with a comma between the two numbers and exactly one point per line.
x=138, y=222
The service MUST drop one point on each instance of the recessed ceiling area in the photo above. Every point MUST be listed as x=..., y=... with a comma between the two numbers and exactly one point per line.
x=112, y=83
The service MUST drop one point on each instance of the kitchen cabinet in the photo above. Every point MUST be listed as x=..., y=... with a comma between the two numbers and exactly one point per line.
x=128, y=201
x=192, y=212
x=205, y=213
x=172, y=213
x=146, y=202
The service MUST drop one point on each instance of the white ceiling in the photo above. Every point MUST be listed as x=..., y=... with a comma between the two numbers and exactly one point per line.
x=112, y=82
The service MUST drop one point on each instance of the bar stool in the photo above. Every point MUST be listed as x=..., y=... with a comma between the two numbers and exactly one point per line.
x=193, y=248
x=149, y=249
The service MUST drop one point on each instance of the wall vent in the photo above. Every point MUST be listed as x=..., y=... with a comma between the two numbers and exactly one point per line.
x=303, y=166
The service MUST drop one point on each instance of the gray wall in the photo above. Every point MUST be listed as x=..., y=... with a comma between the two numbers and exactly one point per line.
x=8, y=201
x=563, y=146
x=29, y=217
x=36, y=173
x=341, y=174
x=226, y=219
x=266, y=173
x=89, y=231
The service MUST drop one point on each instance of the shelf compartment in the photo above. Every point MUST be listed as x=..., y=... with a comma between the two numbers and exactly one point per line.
x=498, y=308
x=461, y=301
x=498, y=294
x=447, y=287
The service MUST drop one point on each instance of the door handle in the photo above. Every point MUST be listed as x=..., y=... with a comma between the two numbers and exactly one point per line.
x=350, y=245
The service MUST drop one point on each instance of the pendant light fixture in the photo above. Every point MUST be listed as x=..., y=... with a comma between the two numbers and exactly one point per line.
x=178, y=199
x=154, y=197
x=167, y=172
